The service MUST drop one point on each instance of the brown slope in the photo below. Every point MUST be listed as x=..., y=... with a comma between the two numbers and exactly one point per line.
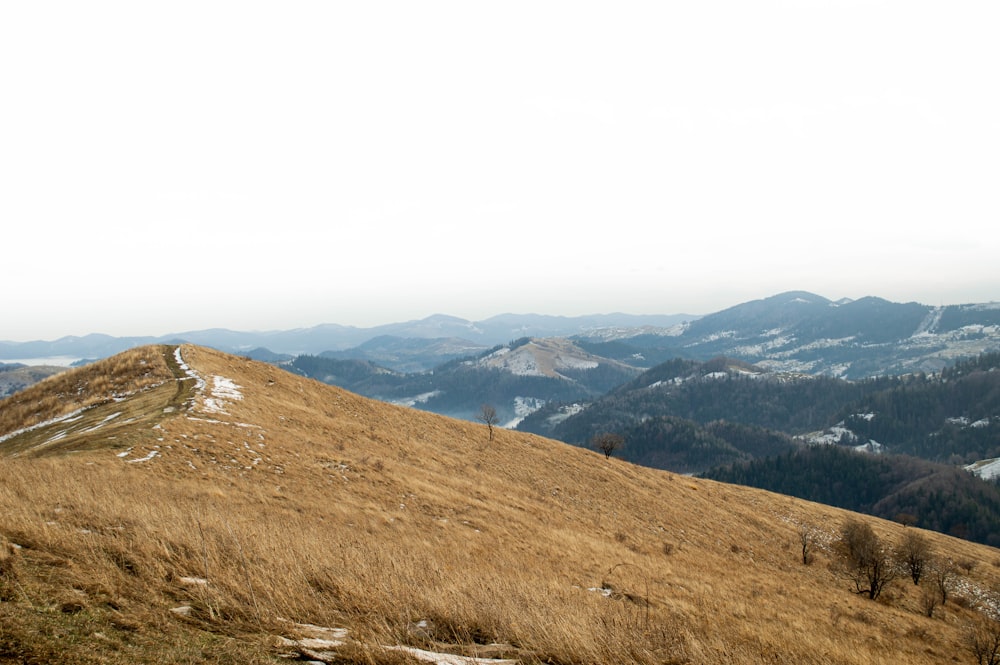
x=278, y=499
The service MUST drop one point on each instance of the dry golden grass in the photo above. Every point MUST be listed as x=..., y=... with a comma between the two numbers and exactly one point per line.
x=299, y=502
x=125, y=374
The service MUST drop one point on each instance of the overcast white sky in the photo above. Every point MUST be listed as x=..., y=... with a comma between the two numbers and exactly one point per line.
x=268, y=165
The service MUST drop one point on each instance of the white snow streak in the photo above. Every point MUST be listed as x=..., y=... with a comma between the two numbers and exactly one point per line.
x=451, y=659
x=53, y=421
x=223, y=389
x=149, y=456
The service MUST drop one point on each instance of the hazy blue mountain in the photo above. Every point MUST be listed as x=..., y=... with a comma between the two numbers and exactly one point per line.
x=334, y=337
x=88, y=346
x=409, y=354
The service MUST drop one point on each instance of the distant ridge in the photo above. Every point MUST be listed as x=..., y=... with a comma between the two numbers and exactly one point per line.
x=335, y=337
x=792, y=331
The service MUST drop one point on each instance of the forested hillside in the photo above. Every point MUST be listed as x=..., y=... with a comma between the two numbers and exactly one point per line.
x=932, y=496
x=720, y=389
x=685, y=446
x=954, y=417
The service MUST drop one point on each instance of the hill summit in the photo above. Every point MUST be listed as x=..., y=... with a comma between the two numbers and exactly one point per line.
x=178, y=504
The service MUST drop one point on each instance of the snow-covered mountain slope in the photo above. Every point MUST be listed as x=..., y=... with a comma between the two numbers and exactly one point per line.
x=551, y=357
x=804, y=332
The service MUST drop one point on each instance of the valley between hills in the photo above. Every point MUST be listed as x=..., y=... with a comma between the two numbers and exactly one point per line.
x=175, y=503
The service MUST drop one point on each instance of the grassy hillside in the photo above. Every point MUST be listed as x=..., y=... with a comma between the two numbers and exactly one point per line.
x=232, y=512
x=15, y=377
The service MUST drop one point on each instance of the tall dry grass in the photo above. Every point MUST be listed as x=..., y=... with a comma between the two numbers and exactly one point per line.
x=411, y=529
x=114, y=378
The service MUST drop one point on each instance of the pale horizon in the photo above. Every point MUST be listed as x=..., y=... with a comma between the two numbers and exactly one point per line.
x=266, y=166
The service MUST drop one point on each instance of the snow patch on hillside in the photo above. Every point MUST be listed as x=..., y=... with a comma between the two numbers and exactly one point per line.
x=199, y=382
x=676, y=381
x=564, y=413
x=613, y=333
x=988, y=469
x=572, y=362
x=223, y=390
x=714, y=337
x=150, y=455
x=524, y=407
x=523, y=364
x=422, y=398
x=873, y=447
x=964, y=422
x=102, y=423
x=830, y=436
x=763, y=347
x=449, y=659
x=930, y=323
x=675, y=330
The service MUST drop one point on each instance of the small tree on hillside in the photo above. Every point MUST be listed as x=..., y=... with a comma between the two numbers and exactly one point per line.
x=914, y=554
x=488, y=415
x=866, y=561
x=607, y=443
x=942, y=575
x=807, y=538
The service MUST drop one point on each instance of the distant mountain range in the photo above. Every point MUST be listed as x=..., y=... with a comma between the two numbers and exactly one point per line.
x=794, y=331
x=468, y=336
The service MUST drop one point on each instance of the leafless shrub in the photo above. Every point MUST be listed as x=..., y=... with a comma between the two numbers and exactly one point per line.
x=913, y=553
x=807, y=539
x=607, y=443
x=942, y=575
x=906, y=519
x=929, y=600
x=865, y=560
x=488, y=416
x=983, y=640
